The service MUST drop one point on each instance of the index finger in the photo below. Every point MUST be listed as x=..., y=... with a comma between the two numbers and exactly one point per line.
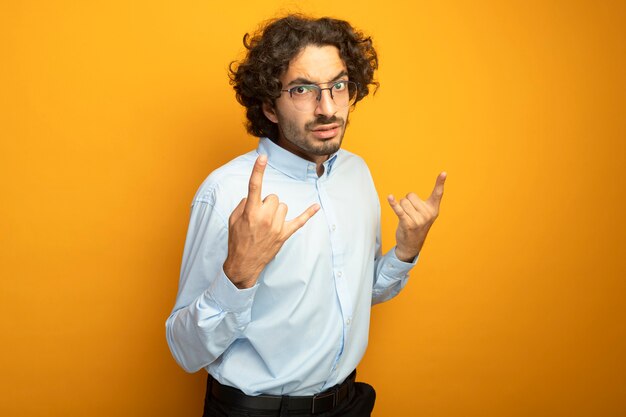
x=256, y=182
x=435, y=196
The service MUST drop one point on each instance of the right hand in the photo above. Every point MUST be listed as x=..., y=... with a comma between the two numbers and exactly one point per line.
x=257, y=230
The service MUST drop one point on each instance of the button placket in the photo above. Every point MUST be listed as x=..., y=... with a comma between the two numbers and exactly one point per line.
x=336, y=246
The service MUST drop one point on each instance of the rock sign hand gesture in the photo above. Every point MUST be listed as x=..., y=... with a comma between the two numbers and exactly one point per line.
x=257, y=230
x=415, y=219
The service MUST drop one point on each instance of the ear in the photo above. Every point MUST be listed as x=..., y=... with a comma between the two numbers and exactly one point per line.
x=270, y=112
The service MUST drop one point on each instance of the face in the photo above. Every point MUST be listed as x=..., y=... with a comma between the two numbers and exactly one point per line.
x=314, y=134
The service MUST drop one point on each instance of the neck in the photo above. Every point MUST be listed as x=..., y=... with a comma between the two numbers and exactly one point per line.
x=317, y=159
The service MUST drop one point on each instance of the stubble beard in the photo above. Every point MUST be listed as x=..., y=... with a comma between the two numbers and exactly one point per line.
x=298, y=137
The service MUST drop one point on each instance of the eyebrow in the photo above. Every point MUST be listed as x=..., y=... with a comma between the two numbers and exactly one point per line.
x=301, y=80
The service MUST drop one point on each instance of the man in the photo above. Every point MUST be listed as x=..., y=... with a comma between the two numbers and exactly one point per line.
x=283, y=258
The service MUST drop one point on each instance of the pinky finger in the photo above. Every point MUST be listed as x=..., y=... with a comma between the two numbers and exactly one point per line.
x=396, y=207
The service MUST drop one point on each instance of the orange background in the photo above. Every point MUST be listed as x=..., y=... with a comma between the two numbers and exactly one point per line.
x=112, y=113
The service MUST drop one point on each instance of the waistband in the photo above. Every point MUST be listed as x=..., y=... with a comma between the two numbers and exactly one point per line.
x=318, y=403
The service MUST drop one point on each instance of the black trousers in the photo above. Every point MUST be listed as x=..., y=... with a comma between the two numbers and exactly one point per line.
x=359, y=404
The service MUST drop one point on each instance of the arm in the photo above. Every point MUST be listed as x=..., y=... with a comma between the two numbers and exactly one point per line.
x=210, y=312
x=391, y=274
x=221, y=265
x=415, y=217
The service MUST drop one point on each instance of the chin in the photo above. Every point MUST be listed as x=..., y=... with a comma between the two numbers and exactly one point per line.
x=328, y=147
x=333, y=143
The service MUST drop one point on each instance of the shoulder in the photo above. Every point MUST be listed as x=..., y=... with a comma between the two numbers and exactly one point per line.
x=351, y=158
x=352, y=162
x=227, y=181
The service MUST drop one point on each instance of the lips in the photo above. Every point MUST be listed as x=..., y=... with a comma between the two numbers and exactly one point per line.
x=326, y=131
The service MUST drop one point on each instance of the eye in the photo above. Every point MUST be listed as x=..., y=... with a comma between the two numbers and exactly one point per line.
x=340, y=85
x=302, y=90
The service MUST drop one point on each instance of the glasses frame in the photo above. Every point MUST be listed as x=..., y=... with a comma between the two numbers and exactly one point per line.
x=330, y=90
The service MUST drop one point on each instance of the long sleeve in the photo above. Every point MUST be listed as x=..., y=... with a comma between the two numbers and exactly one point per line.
x=390, y=273
x=304, y=326
x=210, y=312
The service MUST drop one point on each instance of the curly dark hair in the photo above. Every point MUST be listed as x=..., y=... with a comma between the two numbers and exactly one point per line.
x=256, y=78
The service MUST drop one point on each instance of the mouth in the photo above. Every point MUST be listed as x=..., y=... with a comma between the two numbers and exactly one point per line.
x=326, y=131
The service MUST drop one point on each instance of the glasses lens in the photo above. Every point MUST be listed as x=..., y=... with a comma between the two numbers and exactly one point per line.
x=353, y=89
x=344, y=93
x=306, y=97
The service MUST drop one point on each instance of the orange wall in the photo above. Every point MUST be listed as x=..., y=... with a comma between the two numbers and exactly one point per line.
x=112, y=113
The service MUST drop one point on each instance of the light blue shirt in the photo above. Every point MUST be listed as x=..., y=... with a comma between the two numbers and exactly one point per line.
x=304, y=326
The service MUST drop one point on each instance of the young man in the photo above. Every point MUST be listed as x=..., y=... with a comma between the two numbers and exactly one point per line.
x=283, y=257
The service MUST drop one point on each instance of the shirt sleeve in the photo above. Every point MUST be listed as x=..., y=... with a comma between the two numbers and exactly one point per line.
x=390, y=273
x=210, y=312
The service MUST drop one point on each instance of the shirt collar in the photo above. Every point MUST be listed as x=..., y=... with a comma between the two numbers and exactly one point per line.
x=290, y=164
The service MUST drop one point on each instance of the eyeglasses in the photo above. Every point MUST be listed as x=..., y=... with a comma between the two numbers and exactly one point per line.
x=307, y=96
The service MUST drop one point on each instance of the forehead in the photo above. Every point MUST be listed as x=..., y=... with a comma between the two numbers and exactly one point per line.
x=315, y=63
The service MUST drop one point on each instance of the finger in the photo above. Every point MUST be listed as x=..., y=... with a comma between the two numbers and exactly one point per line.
x=271, y=202
x=279, y=216
x=237, y=211
x=396, y=207
x=437, y=194
x=412, y=213
x=256, y=181
x=293, y=225
x=415, y=200
x=417, y=206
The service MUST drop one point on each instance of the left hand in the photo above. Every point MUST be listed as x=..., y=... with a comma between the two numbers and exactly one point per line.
x=415, y=218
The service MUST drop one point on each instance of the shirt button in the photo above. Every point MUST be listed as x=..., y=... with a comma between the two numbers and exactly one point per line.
x=333, y=227
x=348, y=322
x=339, y=274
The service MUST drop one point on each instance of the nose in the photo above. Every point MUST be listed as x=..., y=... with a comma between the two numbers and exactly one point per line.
x=326, y=105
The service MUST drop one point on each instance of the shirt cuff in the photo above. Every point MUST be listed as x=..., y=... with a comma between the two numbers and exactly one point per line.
x=395, y=267
x=230, y=298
